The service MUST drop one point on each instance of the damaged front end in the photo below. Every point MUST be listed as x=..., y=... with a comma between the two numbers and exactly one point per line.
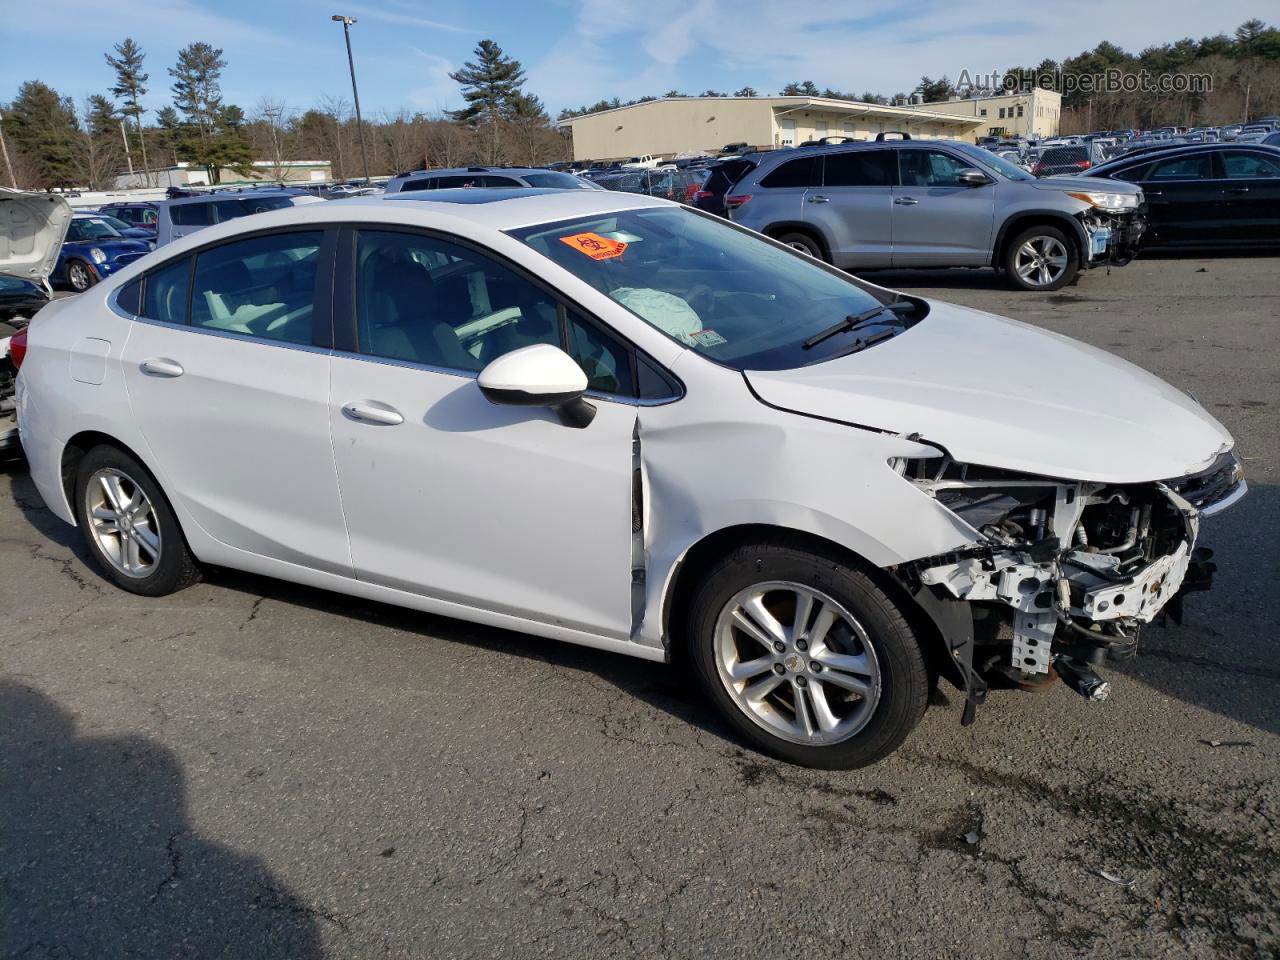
x=1064, y=573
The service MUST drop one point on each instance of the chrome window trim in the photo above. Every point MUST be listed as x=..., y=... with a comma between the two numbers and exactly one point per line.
x=224, y=334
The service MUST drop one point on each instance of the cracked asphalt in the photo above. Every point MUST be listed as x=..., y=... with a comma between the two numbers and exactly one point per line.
x=252, y=769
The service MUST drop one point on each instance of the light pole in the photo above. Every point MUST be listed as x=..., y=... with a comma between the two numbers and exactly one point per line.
x=346, y=32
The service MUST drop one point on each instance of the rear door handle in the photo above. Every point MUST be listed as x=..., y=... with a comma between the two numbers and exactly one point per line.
x=818, y=199
x=371, y=411
x=905, y=201
x=1237, y=189
x=162, y=367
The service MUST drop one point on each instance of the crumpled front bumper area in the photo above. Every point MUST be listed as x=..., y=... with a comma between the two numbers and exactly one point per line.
x=1067, y=573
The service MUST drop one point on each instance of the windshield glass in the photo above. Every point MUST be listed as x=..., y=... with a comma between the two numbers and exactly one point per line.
x=563, y=181
x=720, y=290
x=91, y=229
x=1000, y=164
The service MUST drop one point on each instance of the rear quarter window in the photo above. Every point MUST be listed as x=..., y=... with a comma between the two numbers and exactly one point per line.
x=801, y=172
x=191, y=214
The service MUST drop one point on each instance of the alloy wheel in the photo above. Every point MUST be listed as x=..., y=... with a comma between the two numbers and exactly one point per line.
x=797, y=663
x=1041, y=261
x=78, y=275
x=123, y=523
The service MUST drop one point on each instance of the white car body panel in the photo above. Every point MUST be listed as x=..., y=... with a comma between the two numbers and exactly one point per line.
x=997, y=392
x=504, y=516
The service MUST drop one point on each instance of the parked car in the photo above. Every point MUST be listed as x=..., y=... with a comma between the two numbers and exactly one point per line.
x=721, y=176
x=185, y=215
x=139, y=215
x=937, y=203
x=32, y=227
x=1272, y=140
x=538, y=177
x=92, y=250
x=645, y=162
x=1212, y=195
x=637, y=361
x=145, y=234
x=1254, y=133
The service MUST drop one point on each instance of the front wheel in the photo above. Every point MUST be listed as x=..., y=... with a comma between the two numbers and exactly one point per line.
x=79, y=276
x=806, y=657
x=1041, y=259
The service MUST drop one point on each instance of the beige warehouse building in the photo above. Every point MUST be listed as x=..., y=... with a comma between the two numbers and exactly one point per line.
x=683, y=124
x=1034, y=114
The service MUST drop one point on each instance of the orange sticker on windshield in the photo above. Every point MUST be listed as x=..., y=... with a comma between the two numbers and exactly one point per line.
x=595, y=246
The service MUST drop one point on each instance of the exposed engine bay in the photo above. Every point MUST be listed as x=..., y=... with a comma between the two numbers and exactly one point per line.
x=1067, y=573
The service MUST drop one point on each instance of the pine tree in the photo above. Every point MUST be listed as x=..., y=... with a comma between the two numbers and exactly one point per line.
x=131, y=85
x=44, y=127
x=213, y=135
x=100, y=115
x=488, y=87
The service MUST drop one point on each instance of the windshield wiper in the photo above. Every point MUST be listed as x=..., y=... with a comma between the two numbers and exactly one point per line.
x=856, y=320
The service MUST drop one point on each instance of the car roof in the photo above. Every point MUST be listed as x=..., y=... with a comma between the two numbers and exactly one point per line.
x=213, y=197
x=462, y=171
x=468, y=194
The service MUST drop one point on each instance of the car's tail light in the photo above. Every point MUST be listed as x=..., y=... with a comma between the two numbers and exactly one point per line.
x=18, y=348
x=1084, y=164
x=703, y=195
x=1038, y=169
x=737, y=201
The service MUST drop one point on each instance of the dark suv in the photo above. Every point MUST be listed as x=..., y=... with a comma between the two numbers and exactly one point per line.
x=535, y=177
x=938, y=203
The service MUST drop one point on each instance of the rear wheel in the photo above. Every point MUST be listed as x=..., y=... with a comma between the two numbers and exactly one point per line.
x=129, y=526
x=79, y=276
x=806, y=657
x=1042, y=259
x=802, y=242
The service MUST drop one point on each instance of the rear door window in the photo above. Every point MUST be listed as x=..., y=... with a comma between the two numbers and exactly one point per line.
x=421, y=183
x=166, y=292
x=861, y=168
x=261, y=286
x=1247, y=165
x=801, y=172
x=1196, y=166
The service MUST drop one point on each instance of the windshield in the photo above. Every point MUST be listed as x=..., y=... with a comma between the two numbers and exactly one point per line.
x=999, y=164
x=91, y=229
x=563, y=181
x=721, y=290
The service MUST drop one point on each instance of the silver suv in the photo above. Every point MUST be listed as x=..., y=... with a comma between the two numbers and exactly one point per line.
x=537, y=177
x=938, y=203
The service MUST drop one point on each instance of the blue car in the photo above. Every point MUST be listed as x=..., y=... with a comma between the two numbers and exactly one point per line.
x=92, y=250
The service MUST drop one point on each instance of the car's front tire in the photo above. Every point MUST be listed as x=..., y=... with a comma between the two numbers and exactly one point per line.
x=804, y=243
x=129, y=527
x=79, y=276
x=1041, y=259
x=806, y=657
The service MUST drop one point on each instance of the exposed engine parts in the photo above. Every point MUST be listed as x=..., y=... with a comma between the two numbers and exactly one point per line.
x=1065, y=573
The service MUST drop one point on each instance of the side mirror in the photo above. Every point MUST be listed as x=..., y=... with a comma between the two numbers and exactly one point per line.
x=539, y=375
x=972, y=177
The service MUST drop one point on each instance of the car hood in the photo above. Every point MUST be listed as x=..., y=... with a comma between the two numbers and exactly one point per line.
x=1000, y=393
x=32, y=227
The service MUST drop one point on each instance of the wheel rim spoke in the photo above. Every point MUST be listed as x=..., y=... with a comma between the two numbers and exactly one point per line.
x=122, y=523
x=797, y=663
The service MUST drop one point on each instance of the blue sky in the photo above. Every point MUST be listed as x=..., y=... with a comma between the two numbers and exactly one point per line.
x=575, y=52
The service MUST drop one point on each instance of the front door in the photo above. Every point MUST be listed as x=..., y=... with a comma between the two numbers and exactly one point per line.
x=938, y=220
x=232, y=396
x=450, y=496
x=1185, y=201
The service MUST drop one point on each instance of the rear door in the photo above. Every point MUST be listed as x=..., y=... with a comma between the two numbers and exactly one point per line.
x=1185, y=201
x=937, y=220
x=228, y=376
x=778, y=197
x=1251, y=195
x=854, y=207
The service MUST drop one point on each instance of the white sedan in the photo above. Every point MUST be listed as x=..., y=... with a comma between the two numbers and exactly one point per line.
x=619, y=422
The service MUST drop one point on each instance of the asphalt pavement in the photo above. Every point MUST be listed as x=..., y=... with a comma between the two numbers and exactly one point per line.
x=252, y=769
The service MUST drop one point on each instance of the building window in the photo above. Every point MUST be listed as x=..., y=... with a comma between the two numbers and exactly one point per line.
x=1002, y=113
x=1019, y=109
x=982, y=112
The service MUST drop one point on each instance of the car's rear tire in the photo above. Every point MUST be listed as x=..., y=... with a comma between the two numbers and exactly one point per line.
x=806, y=657
x=802, y=242
x=129, y=527
x=79, y=276
x=1041, y=258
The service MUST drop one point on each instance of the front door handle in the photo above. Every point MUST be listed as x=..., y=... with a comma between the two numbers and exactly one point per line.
x=1237, y=189
x=905, y=201
x=818, y=199
x=371, y=411
x=162, y=367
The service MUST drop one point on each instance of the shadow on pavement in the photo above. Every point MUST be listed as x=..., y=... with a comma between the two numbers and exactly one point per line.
x=98, y=859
